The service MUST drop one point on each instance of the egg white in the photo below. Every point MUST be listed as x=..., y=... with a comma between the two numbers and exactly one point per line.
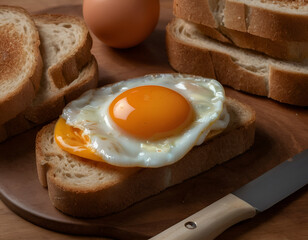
x=90, y=113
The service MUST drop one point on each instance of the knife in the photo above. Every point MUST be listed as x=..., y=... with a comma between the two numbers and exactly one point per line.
x=254, y=197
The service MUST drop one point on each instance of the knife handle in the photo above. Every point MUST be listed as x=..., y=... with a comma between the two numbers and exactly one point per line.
x=211, y=221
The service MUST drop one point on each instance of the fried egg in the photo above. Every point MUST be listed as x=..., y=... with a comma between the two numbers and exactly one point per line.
x=151, y=121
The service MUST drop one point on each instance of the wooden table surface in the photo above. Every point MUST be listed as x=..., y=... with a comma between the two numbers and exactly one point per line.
x=14, y=227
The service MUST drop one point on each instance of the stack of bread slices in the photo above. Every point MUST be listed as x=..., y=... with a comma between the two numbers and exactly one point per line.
x=45, y=62
x=256, y=46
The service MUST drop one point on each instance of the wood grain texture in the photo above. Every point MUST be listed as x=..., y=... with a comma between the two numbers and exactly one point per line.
x=14, y=227
x=281, y=132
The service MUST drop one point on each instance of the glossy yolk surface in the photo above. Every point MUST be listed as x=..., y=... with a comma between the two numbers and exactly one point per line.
x=145, y=112
x=71, y=140
x=150, y=112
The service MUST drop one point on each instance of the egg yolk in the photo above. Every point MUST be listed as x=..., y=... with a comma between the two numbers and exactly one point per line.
x=73, y=141
x=146, y=112
x=151, y=112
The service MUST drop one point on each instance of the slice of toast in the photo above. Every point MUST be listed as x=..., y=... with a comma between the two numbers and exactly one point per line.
x=276, y=28
x=69, y=70
x=85, y=188
x=20, y=61
x=66, y=45
x=52, y=107
x=190, y=51
x=281, y=49
x=276, y=20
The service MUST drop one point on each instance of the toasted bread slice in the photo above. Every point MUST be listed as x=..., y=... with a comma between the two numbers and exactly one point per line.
x=271, y=19
x=282, y=49
x=20, y=61
x=69, y=70
x=85, y=188
x=66, y=45
x=190, y=51
x=52, y=107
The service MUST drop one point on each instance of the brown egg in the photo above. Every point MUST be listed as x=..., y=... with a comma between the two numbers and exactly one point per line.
x=121, y=23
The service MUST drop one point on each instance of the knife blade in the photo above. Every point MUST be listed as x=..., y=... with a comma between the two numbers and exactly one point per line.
x=254, y=197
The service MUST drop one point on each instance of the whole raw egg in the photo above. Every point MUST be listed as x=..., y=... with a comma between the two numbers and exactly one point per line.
x=121, y=23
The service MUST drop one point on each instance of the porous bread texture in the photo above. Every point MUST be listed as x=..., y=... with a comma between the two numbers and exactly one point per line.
x=69, y=70
x=52, y=108
x=275, y=20
x=20, y=61
x=66, y=45
x=86, y=188
x=190, y=51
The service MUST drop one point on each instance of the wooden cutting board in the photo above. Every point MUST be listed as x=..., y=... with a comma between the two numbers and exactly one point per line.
x=281, y=132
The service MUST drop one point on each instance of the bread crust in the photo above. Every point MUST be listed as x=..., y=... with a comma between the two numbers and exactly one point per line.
x=135, y=184
x=183, y=58
x=277, y=26
x=52, y=108
x=65, y=71
x=285, y=50
x=235, y=16
x=278, y=84
x=190, y=59
x=293, y=86
x=14, y=102
x=230, y=73
x=195, y=11
x=259, y=21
